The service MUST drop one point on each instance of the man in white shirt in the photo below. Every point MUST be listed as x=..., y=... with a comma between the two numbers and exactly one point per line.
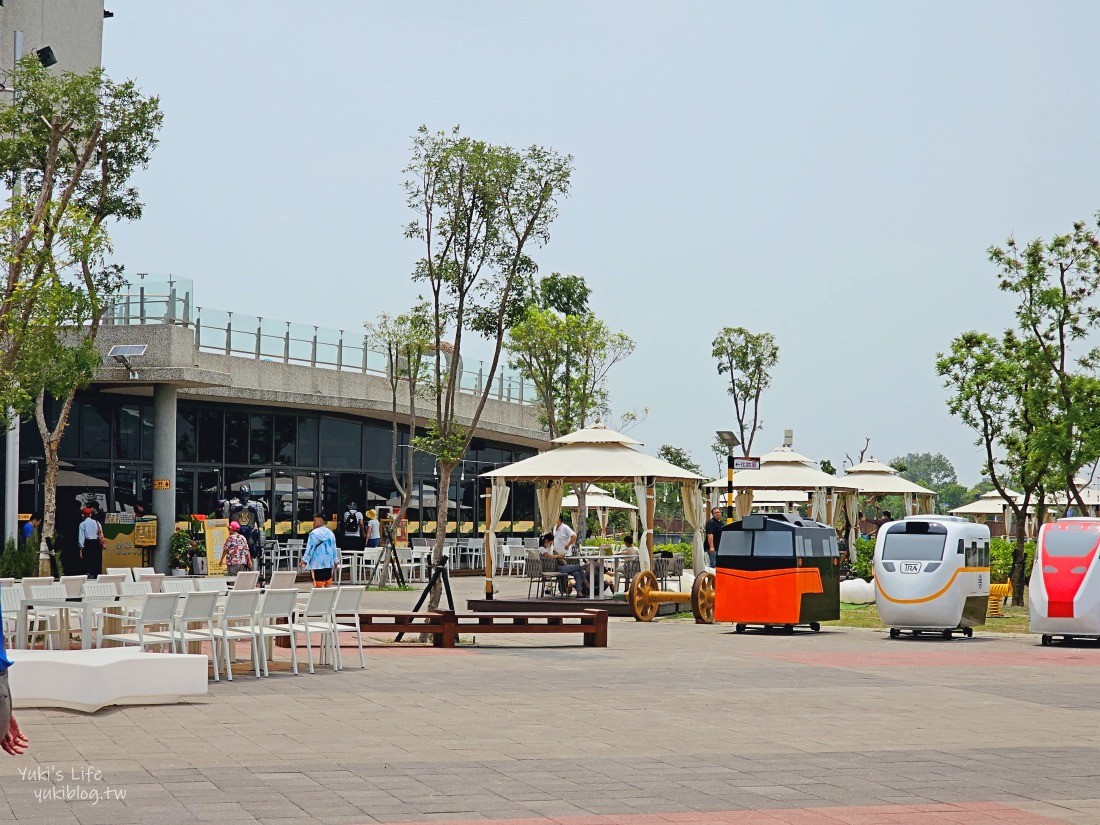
x=564, y=538
x=90, y=540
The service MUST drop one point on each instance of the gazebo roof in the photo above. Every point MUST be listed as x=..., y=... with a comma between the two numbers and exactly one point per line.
x=783, y=469
x=872, y=477
x=596, y=499
x=594, y=453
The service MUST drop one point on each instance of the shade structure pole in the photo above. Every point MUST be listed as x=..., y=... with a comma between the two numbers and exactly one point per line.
x=650, y=509
x=489, y=563
x=729, y=485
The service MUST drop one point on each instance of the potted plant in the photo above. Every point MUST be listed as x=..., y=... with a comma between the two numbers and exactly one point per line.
x=179, y=552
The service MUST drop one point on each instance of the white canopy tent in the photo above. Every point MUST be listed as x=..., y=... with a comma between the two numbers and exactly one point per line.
x=598, y=499
x=784, y=469
x=595, y=454
x=873, y=479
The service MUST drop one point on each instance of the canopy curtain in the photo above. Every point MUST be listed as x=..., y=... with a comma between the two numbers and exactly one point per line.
x=640, y=490
x=742, y=500
x=817, y=506
x=1008, y=522
x=851, y=513
x=713, y=498
x=634, y=526
x=910, y=504
x=926, y=503
x=691, y=496
x=601, y=517
x=498, y=501
x=549, y=496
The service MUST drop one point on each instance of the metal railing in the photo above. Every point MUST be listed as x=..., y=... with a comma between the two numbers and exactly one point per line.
x=169, y=301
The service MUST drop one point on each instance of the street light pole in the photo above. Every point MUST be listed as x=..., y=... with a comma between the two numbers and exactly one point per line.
x=730, y=440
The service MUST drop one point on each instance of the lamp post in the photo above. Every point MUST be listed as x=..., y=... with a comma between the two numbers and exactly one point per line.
x=730, y=440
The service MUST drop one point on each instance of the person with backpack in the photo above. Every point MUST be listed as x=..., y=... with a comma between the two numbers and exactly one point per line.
x=352, y=534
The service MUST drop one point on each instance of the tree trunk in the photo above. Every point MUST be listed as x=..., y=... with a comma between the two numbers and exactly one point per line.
x=443, y=489
x=1017, y=577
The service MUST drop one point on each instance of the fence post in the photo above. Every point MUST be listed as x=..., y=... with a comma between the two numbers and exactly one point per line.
x=187, y=308
x=340, y=352
x=229, y=334
x=313, y=353
x=198, y=328
x=521, y=383
x=141, y=303
x=286, y=345
x=500, y=387
x=480, y=376
x=365, y=354
x=170, y=314
x=259, y=337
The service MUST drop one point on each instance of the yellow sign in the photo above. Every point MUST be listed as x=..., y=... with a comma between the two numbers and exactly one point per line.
x=217, y=531
x=120, y=546
x=162, y=484
x=145, y=532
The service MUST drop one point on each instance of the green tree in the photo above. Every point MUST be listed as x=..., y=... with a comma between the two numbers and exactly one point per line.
x=827, y=466
x=931, y=470
x=668, y=504
x=480, y=209
x=567, y=294
x=747, y=359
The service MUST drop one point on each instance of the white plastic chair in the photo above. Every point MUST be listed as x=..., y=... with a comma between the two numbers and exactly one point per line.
x=10, y=599
x=101, y=592
x=219, y=584
x=157, y=610
x=73, y=586
x=179, y=585
x=348, y=602
x=408, y=563
x=114, y=579
x=317, y=618
x=198, y=608
x=282, y=580
x=35, y=581
x=247, y=580
x=131, y=589
x=154, y=579
x=51, y=615
x=143, y=571
x=127, y=573
x=235, y=623
x=276, y=604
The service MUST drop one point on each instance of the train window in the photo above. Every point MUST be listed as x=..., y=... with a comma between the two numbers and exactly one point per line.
x=802, y=546
x=773, y=543
x=972, y=557
x=735, y=543
x=913, y=546
x=1069, y=542
x=831, y=546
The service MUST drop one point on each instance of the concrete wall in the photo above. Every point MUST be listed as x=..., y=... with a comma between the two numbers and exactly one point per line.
x=72, y=28
x=172, y=358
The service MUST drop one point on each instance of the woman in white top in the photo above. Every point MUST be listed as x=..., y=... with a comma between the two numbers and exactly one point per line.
x=374, y=530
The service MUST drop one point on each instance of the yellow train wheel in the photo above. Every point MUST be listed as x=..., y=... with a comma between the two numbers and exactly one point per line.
x=643, y=604
x=702, y=598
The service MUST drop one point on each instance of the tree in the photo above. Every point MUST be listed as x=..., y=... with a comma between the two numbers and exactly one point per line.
x=932, y=470
x=668, y=504
x=827, y=466
x=747, y=359
x=479, y=210
x=406, y=340
x=1056, y=284
x=1001, y=389
x=71, y=144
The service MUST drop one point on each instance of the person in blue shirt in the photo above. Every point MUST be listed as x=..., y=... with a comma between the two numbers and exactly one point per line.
x=34, y=523
x=13, y=741
x=321, y=556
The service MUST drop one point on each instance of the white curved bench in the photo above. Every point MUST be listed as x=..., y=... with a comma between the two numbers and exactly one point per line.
x=88, y=680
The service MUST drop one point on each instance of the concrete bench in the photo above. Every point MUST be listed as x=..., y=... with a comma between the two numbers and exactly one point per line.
x=88, y=680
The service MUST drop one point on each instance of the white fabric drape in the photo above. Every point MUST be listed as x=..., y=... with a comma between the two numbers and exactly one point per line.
x=742, y=501
x=817, y=506
x=498, y=503
x=691, y=496
x=910, y=504
x=713, y=498
x=601, y=517
x=634, y=525
x=640, y=492
x=1008, y=522
x=549, y=496
x=851, y=512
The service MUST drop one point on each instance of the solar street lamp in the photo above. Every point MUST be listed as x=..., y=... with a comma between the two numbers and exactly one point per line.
x=730, y=440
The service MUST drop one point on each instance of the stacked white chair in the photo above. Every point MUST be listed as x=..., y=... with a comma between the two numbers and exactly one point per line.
x=276, y=620
x=317, y=618
x=198, y=609
x=180, y=585
x=235, y=624
x=348, y=606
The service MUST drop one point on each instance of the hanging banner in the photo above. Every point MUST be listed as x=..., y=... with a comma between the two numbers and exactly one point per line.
x=217, y=531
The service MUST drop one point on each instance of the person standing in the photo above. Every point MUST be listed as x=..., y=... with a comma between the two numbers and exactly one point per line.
x=321, y=556
x=374, y=529
x=714, y=536
x=12, y=739
x=564, y=539
x=90, y=541
x=33, y=525
x=351, y=529
x=235, y=553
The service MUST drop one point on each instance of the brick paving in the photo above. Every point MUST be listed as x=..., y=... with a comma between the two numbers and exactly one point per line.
x=673, y=722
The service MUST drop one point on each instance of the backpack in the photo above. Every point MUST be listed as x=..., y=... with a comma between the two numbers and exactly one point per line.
x=351, y=523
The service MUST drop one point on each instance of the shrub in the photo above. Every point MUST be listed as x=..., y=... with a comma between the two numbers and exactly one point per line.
x=18, y=562
x=1000, y=559
x=863, y=564
x=680, y=549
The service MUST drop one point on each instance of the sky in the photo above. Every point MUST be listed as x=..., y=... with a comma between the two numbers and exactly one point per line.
x=832, y=173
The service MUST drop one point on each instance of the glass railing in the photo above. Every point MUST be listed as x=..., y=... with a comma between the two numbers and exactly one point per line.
x=153, y=299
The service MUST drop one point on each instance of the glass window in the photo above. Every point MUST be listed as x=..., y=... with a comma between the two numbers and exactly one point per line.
x=208, y=491
x=771, y=543
x=236, y=438
x=128, y=432
x=186, y=432
x=260, y=444
x=147, y=424
x=902, y=546
x=341, y=443
x=132, y=487
x=1072, y=543
x=211, y=436
x=377, y=443
x=286, y=437
x=95, y=432
x=307, y=442
x=185, y=494
x=735, y=543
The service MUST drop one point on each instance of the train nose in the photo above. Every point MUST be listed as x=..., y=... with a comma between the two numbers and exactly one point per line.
x=1060, y=609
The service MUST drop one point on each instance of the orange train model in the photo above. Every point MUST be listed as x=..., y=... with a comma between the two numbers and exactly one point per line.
x=777, y=571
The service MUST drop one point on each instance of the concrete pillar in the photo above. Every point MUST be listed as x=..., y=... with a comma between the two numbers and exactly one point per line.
x=164, y=470
x=11, y=481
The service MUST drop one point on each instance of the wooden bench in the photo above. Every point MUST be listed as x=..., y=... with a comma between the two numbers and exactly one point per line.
x=438, y=623
x=591, y=623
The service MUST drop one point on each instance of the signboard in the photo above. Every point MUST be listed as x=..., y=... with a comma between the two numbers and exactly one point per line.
x=217, y=531
x=145, y=532
x=162, y=484
x=120, y=546
x=746, y=463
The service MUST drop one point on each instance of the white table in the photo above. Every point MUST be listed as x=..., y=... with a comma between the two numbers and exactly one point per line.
x=86, y=607
x=595, y=564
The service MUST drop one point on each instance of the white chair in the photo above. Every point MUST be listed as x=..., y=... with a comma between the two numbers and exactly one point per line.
x=317, y=618
x=247, y=580
x=179, y=585
x=74, y=586
x=138, y=572
x=154, y=579
x=157, y=611
x=198, y=608
x=7, y=582
x=282, y=580
x=276, y=605
x=114, y=579
x=219, y=584
x=35, y=581
x=127, y=573
x=98, y=592
x=51, y=615
x=280, y=556
x=348, y=601
x=411, y=567
x=235, y=623
x=10, y=602
x=132, y=589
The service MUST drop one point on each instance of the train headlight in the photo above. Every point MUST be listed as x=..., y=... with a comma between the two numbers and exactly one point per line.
x=1049, y=568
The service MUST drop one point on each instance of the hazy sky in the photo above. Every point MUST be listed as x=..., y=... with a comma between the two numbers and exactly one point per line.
x=829, y=172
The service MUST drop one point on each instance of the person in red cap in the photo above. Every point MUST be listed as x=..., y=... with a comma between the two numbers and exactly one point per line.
x=235, y=555
x=90, y=540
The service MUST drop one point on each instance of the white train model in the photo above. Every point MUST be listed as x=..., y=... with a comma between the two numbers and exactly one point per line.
x=932, y=575
x=1064, y=598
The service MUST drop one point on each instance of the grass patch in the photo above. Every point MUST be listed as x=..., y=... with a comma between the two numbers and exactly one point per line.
x=866, y=615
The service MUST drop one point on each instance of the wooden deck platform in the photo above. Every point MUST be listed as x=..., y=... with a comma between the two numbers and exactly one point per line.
x=613, y=607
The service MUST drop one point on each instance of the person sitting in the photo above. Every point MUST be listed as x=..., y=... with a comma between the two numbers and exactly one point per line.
x=554, y=546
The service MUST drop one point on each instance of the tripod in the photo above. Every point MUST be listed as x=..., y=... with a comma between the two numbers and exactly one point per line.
x=439, y=574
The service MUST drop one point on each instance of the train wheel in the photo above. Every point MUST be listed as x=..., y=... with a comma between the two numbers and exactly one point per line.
x=895, y=633
x=642, y=603
x=968, y=632
x=815, y=627
x=1047, y=640
x=946, y=634
x=702, y=599
x=788, y=628
x=738, y=628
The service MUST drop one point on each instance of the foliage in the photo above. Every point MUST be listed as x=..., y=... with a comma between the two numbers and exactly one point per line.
x=180, y=548
x=863, y=564
x=668, y=504
x=17, y=562
x=931, y=470
x=747, y=359
x=827, y=467
x=678, y=456
x=682, y=549
x=1000, y=559
x=567, y=294
x=950, y=496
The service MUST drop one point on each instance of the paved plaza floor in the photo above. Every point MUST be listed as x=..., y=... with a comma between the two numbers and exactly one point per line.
x=672, y=723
